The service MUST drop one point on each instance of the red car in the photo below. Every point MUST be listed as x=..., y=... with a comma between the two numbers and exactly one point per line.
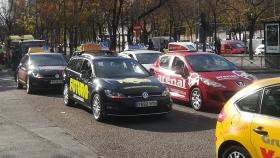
x=203, y=79
x=232, y=47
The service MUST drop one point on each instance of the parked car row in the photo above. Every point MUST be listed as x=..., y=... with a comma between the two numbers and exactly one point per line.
x=142, y=82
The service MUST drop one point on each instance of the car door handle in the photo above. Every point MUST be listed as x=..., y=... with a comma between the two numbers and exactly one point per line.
x=260, y=131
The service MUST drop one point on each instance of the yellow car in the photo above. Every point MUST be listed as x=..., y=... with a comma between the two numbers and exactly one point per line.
x=249, y=124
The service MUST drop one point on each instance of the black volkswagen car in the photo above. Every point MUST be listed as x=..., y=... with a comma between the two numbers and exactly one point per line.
x=40, y=71
x=114, y=86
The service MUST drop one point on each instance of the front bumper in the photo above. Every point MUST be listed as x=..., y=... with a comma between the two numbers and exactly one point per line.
x=217, y=97
x=46, y=83
x=127, y=106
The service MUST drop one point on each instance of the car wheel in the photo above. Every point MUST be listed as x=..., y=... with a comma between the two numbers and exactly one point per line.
x=196, y=99
x=236, y=152
x=29, y=88
x=66, y=98
x=19, y=85
x=97, y=107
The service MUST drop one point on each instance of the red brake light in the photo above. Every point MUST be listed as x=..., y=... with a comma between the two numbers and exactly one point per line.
x=222, y=115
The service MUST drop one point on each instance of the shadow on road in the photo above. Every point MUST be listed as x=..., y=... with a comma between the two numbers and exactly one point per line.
x=54, y=93
x=176, y=121
x=213, y=110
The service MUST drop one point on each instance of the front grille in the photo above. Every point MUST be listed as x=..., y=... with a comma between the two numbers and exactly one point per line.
x=228, y=94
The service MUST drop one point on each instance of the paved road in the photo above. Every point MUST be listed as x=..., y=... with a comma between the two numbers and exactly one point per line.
x=183, y=133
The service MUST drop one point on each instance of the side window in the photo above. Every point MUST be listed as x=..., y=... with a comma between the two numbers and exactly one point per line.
x=271, y=102
x=75, y=64
x=86, y=68
x=250, y=103
x=71, y=63
x=164, y=62
x=177, y=64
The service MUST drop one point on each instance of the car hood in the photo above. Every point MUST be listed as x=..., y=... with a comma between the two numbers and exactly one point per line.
x=50, y=69
x=237, y=77
x=134, y=86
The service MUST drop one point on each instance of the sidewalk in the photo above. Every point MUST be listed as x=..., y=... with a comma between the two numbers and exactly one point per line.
x=26, y=133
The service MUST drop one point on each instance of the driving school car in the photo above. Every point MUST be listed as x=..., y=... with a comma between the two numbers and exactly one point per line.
x=40, y=71
x=114, y=86
x=203, y=79
x=248, y=125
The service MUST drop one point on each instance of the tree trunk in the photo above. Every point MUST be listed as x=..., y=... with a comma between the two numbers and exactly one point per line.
x=251, y=35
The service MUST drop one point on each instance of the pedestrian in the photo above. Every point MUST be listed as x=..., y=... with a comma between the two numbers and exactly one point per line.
x=150, y=45
x=218, y=46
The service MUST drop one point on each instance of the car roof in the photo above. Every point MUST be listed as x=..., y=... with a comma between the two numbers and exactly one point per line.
x=255, y=86
x=43, y=53
x=185, y=53
x=92, y=56
x=141, y=51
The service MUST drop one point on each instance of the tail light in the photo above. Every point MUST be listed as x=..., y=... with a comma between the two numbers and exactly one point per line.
x=222, y=115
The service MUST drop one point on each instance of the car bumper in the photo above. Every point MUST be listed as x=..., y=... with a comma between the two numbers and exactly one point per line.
x=46, y=83
x=128, y=107
x=217, y=97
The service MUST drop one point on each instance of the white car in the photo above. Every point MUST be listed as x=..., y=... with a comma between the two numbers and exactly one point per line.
x=144, y=57
x=259, y=50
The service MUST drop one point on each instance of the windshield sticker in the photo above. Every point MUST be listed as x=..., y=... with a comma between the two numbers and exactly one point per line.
x=79, y=88
x=134, y=80
x=136, y=87
x=181, y=83
x=193, y=79
x=244, y=75
x=229, y=77
x=51, y=67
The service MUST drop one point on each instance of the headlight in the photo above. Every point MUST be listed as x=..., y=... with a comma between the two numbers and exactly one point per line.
x=211, y=83
x=36, y=75
x=165, y=92
x=113, y=94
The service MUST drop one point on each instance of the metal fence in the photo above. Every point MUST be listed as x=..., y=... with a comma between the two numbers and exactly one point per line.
x=259, y=62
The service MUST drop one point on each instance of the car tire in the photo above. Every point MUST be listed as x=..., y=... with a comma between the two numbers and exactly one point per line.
x=29, y=87
x=66, y=98
x=19, y=85
x=236, y=151
x=97, y=107
x=196, y=99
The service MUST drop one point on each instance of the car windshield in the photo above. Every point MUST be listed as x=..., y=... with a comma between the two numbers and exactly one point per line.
x=118, y=68
x=209, y=63
x=47, y=60
x=147, y=58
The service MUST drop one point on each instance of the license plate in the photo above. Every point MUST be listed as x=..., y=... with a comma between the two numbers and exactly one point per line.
x=146, y=104
x=56, y=81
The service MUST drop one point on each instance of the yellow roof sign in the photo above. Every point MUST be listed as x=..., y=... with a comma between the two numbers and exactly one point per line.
x=36, y=50
x=90, y=47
